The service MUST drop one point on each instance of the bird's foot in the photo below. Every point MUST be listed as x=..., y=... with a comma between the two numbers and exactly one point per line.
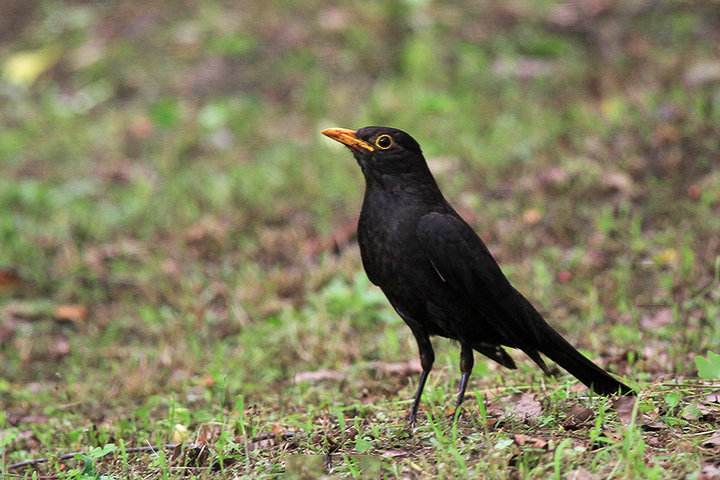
x=411, y=420
x=454, y=414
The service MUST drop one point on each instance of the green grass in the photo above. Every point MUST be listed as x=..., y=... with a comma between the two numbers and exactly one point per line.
x=176, y=250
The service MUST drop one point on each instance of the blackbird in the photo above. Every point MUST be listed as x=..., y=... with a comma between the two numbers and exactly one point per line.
x=436, y=272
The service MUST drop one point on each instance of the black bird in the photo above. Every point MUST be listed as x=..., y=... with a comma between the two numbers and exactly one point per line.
x=437, y=273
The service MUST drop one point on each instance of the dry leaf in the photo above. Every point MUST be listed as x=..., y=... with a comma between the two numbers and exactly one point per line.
x=7, y=330
x=206, y=237
x=395, y=453
x=534, y=442
x=694, y=191
x=654, y=426
x=398, y=368
x=702, y=73
x=624, y=407
x=9, y=279
x=527, y=408
x=318, y=375
x=141, y=127
x=564, y=276
x=531, y=216
x=578, y=388
x=712, y=442
x=709, y=471
x=207, y=434
x=577, y=417
x=523, y=68
x=659, y=318
x=268, y=440
x=74, y=313
x=619, y=182
x=580, y=474
x=714, y=397
x=59, y=348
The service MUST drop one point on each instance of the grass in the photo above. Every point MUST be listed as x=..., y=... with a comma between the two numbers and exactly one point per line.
x=177, y=262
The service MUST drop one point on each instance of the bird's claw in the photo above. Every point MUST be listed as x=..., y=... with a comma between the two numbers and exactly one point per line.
x=411, y=420
x=455, y=414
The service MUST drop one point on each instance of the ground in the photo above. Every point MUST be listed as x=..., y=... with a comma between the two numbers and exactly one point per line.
x=181, y=293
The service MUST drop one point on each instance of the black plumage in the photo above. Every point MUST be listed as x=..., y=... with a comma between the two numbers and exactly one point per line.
x=437, y=273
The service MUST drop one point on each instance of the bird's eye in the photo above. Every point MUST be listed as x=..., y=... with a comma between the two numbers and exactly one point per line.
x=383, y=142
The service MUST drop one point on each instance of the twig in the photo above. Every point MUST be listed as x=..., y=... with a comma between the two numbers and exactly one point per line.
x=143, y=449
x=698, y=434
x=691, y=385
x=71, y=455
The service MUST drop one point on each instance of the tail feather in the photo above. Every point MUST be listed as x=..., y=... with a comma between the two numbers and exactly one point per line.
x=582, y=368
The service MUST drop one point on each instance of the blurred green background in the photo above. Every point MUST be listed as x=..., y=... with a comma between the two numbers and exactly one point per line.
x=177, y=239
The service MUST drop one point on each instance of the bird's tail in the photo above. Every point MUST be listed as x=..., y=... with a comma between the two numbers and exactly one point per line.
x=561, y=352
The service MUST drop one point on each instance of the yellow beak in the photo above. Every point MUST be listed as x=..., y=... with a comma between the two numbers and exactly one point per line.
x=347, y=137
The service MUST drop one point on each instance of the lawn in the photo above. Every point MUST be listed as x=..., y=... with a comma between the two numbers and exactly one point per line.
x=181, y=292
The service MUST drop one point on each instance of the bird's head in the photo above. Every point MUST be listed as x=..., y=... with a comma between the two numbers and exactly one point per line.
x=381, y=150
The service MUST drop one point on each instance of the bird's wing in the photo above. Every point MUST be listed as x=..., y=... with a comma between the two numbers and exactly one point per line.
x=463, y=262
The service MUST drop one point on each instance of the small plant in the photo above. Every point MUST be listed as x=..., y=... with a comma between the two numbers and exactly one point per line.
x=90, y=459
x=709, y=366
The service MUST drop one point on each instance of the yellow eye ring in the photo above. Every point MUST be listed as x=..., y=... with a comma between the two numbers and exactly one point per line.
x=384, y=141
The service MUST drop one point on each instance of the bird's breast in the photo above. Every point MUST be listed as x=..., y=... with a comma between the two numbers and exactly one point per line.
x=388, y=241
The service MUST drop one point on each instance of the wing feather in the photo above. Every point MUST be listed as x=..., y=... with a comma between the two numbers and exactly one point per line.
x=463, y=261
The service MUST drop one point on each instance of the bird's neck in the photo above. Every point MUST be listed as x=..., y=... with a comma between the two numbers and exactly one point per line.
x=415, y=186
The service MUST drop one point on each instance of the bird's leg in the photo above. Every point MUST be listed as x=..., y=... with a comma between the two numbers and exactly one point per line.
x=467, y=361
x=427, y=358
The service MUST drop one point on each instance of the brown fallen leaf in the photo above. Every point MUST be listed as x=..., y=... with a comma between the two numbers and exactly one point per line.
x=207, y=237
x=278, y=429
x=7, y=330
x=648, y=421
x=74, y=313
x=712, y=442
x=702, y=73
x=318, y=375
x=697, y=411
x=694, y=191
x=580, y=474
x=140, y=128
x=624, y=408
x=709, y=471
x=397, y=368
x=532, y=216
x=59, y=348
x=523, y=68
x=410, y=367
x=577, y=417
x=654, y=441
x=659, y=318
x=564, y=276
x=618, y=182
x=578, y=387
x=535, y=442
x=527, y=408
x=394, y=453
x=554, y=177
x=207, y=434
x=9, y=279
x=714, y=397
x=654, y=426
x=264, y=443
